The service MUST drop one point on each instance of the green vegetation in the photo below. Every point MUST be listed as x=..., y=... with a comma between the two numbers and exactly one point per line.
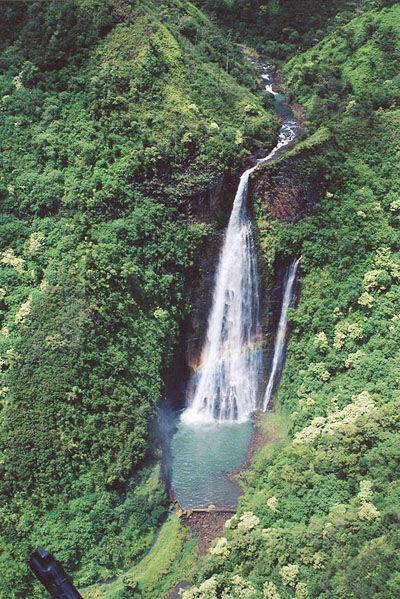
x=113, y=116
x=354, y=69
x=279, y=28
x=171, y=559
x=274, y=426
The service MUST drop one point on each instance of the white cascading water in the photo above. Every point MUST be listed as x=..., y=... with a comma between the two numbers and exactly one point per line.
x=279, y=347
x=228, y=377
x=269, y=84
x=227, y=382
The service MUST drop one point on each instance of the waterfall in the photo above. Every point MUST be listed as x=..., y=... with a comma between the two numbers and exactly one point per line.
x=279, y=347
x=226, y=384
x=266, y=75
x=231, y=358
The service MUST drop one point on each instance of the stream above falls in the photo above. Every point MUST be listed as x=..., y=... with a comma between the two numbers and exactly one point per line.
x=212, y=435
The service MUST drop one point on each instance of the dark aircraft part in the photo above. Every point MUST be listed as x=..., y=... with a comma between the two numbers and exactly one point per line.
x=52, y=576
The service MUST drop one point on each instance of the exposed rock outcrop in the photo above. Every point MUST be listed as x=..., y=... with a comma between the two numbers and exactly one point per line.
x=283, y=188
x=214, y=205
x=206, y=525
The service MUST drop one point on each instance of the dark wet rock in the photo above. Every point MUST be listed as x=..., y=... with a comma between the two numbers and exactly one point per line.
x=283, y=187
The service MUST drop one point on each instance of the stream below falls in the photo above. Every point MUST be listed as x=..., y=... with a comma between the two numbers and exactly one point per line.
x=212, y=435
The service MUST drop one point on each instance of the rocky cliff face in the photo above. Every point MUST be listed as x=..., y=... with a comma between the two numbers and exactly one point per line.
x=283, y=190
x=282, y=187
x=211, y=205
x=206, y=203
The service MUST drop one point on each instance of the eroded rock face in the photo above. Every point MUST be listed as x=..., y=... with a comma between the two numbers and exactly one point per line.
x=287, y=188
x=285, y=196
x=210, y=205
x=201, y=298
x=206, y=202
x=283, y=187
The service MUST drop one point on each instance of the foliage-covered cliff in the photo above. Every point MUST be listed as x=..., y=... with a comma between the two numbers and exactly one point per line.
x=113, y=115
x=282, y=28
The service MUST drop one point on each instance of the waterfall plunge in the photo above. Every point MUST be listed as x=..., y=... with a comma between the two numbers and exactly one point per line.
x=231, y=359
x=226, y=385
x=279, y=347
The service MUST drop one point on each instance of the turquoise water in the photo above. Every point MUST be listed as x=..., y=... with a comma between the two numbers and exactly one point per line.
x=202, y=458
x=282, y=108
